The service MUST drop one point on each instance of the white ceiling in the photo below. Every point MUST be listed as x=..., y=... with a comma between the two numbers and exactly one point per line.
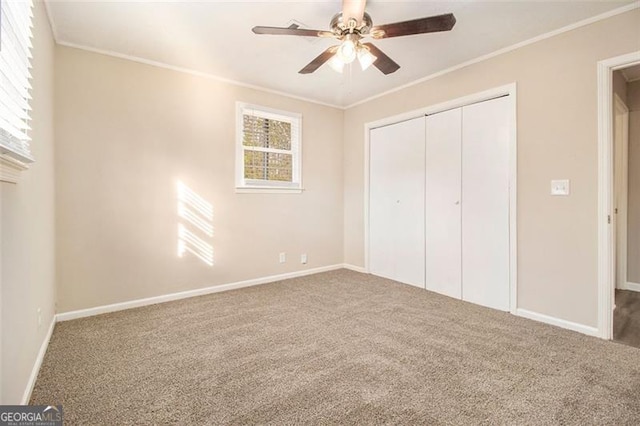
x=215, y=37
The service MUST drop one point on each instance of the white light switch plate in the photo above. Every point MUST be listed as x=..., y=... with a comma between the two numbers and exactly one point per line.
x=560, y=187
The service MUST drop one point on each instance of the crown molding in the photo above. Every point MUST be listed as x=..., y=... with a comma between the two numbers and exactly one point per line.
x=52, y=24
x=620, y=10
x=196, y=73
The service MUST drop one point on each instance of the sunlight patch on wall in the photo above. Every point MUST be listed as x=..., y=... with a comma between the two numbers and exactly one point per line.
x=195, y=228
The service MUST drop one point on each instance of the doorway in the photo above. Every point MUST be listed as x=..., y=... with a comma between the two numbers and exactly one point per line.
x=626, y=217
x=619, y=199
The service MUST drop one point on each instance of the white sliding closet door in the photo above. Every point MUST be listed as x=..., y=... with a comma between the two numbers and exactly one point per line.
x=442, y=207
x=396, y=202
x=485, y=203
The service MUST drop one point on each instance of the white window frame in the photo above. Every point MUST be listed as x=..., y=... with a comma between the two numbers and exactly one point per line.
x=15, y=62
x=255, y=185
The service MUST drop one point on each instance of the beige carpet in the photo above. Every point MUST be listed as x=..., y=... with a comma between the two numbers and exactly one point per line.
x=626, y=318
x=338, y=347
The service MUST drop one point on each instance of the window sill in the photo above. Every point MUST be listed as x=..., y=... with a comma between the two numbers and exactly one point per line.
x=10, y=169
x=267, y=190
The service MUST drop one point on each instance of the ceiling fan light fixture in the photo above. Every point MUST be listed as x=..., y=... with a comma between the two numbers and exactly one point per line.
x=336, y=64
x=348, y=50
x=366, y=58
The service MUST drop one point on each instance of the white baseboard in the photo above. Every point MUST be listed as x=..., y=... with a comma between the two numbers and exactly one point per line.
x=66, y=316
x=36, y=365
x=354, y=268
x=580, y=328
x=631, y=286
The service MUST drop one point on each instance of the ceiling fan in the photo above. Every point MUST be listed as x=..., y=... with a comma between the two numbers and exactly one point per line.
x=351, y=26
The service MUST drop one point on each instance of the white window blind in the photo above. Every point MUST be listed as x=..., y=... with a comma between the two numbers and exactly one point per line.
x=15, y=65
x=268, y=151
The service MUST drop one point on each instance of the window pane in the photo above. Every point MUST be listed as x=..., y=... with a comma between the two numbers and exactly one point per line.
x=268, y=166
x=15, y=54
x=266, y=133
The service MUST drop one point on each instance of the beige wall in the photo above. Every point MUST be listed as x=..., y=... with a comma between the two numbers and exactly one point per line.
x=557, y=138
x=633, y=96
x=633, y=230
x=27, y=226
x=620, y=85
x=125, y=133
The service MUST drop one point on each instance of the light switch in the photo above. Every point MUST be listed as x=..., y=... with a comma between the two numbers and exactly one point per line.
x=560, y=187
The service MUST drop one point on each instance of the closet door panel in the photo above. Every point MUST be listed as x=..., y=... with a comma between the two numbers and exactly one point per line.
x=396, y=212
x=409, y=250
x=382, y=170
x=442, y=203
x=485, y=203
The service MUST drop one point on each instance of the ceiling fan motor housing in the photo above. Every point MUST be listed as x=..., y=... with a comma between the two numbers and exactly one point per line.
x=341, y=28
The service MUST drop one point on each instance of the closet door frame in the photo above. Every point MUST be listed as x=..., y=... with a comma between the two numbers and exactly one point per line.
x=506, y=90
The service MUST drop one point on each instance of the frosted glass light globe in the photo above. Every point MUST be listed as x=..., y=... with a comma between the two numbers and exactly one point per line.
x=347, y=51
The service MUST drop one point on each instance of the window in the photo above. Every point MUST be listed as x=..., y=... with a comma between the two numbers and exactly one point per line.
x=15, y=62
x=268, y=150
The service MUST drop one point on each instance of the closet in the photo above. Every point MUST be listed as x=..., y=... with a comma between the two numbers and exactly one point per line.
x=396, y=188
x=439, y=202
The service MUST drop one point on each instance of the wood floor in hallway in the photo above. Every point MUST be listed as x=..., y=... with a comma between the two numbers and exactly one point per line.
x=626, y=318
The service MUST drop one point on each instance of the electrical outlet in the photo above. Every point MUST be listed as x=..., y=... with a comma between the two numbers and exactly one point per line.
x=39, y=317
x=560, y=187
x=303, y=258
x=283, y=257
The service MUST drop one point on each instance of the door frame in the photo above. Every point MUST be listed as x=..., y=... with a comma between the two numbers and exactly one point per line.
x=621, y=217
x=606, y=250
x=496, y=92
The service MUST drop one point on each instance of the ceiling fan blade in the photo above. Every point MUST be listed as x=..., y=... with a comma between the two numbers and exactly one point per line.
x=319, y=60
x=431, y=24
x=291, y=31
x=353, y=9
x=383, y=62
